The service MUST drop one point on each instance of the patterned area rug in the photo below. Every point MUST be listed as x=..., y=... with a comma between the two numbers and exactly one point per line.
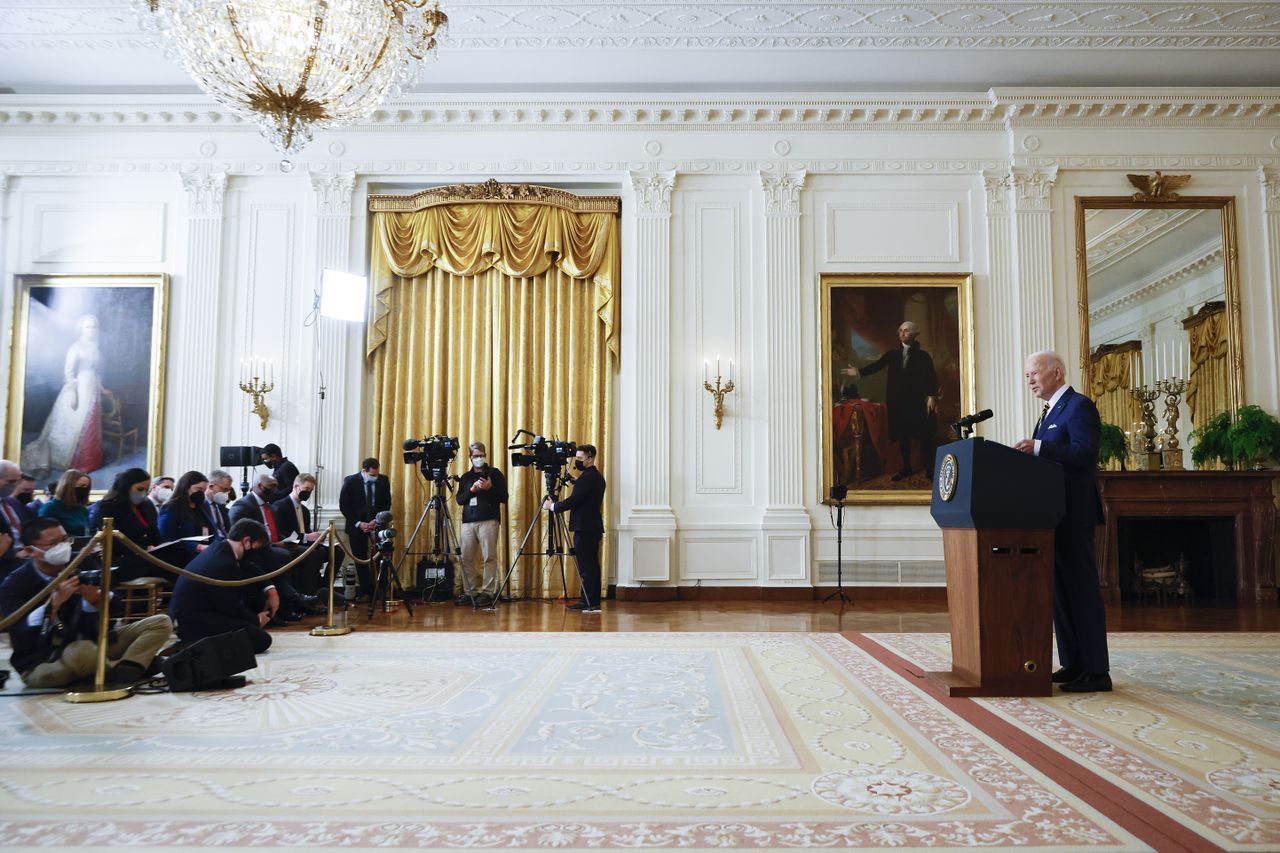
x=1192, y=728
x=572, y=741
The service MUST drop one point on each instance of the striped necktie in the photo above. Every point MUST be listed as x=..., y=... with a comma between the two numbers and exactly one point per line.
x=1044, y=410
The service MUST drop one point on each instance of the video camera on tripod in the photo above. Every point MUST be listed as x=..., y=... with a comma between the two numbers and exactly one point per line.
x=547, y=455
x=384, y=535
x=432, y=455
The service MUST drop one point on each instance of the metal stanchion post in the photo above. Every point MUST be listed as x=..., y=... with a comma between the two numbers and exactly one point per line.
x=100, y=693
x=329, y=629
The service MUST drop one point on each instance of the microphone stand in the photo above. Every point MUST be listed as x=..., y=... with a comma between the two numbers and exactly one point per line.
x=839, y=593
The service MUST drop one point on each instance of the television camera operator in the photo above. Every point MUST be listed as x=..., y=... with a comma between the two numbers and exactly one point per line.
x=481, y=492
x=362, y=497
x=57, y=643
x=586, y=521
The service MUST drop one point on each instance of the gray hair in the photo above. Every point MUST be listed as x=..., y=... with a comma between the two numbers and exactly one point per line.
x=218, y=474
x=910, y=325
x=478, y=445
x=263, y=479
x=7, y=467
x=1048, y=359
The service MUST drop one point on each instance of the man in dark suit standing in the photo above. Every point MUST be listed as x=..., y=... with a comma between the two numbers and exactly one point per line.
x=361, y=498
x=1068, y=433
x=284, y=470
x=911, y=393
x=587, y=523
x=203, y=610
x=293, y=520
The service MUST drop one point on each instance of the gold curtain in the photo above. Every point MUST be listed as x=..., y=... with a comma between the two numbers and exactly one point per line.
x=1207, y=389
x=487, y=319
x=1111, y=379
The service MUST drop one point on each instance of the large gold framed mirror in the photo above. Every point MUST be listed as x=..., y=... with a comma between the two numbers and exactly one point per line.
x=1159, y=300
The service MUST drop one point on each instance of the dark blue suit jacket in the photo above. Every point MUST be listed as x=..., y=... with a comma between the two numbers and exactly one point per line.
x=1069, y=435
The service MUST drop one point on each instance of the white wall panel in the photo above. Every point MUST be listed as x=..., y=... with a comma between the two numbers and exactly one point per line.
x=892, y=232
x=718, y=558
x=79, y=233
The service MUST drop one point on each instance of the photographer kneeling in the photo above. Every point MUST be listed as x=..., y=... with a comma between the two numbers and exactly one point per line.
x=57, y=643
x=204, y=610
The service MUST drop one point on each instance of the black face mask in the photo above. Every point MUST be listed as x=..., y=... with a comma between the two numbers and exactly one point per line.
x=269, y=463
x=577, y=463
x=304, y=495
x=25, y=497
x=82, y=494
x=197, y=498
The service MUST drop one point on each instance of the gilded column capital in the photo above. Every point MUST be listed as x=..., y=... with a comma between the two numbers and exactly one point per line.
x=333, y=192
x=653, y=192
x=205, y=192
x=782, y=192
x=1031, y=187
x=1269, y=177
x=996, y=183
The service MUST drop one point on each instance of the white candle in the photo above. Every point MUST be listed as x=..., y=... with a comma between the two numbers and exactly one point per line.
x=704, y=370
x=717, y=366
x=730, y=370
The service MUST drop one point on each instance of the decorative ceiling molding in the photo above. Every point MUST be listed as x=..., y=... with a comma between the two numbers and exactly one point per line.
x=1198, y=262
x=995, y=24
x=997, y=110
x=1132, y=233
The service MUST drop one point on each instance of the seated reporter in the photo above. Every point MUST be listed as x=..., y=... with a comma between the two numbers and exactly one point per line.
x=203, y=610
x=255, y=507
x=293, y=521
x=70, y=504
x=185, y=515
x=133, y=515
x=56, y=643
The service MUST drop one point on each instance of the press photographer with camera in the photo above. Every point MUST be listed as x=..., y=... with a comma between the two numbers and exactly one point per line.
x=362, y=497
x=586, y=521
x=56, y=644
x=481, y=492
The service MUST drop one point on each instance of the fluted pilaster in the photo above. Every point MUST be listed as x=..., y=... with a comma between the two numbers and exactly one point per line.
x=785, y=522
x=1269, y=177
x=1033, y=267
x=1005, y=347
x=333, y=197
x=192, y=437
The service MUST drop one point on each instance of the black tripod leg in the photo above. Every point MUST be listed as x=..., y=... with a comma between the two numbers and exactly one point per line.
x=516, y=559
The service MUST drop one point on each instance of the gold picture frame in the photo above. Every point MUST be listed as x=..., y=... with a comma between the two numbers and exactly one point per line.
x=100, y=336
x=861, y=315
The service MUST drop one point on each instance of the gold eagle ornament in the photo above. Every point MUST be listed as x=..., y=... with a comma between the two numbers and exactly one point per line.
x=1157, y=187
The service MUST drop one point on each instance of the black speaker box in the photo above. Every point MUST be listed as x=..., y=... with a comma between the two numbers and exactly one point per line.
x=239, y=457
x=206, y=663
x=435, y=579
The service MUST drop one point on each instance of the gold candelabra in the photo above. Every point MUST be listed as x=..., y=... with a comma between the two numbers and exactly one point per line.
x=1148, y=458
x=257, y=379
x=718, y=390
x=1173, y=390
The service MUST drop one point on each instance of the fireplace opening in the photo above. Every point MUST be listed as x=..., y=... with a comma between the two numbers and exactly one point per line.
x=1168, y=561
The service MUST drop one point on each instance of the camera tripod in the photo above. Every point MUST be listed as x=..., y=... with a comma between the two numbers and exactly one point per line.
x=444, y=540
x=385, y=579
x=557, y=536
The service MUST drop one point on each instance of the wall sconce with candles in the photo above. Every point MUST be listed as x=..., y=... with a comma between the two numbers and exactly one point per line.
x=257, y=378
x=718, y=391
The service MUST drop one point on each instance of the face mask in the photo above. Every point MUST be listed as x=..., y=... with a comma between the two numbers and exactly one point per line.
x=58, y=555
x=269, y=464
x=577, y=463
x=82, y=494
x=25, y=497
x=304, y=495
x=477, y=461
x=221, y=497
x=369, y=478
x=7, y=489
x=163, y=494
x=136, y=498
x=197, y=498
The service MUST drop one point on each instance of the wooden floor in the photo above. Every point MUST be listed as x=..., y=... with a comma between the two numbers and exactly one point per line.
x=870, y=616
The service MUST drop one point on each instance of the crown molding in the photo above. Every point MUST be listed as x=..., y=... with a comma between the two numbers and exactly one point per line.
x=1132, y=233
x=1160, y=281
x=997, y=110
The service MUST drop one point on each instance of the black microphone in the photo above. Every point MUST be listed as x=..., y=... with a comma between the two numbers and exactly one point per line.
x=383, y=518
x=969, y=420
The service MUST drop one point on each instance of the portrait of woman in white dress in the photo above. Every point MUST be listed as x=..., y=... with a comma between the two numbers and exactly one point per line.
x=72, y=433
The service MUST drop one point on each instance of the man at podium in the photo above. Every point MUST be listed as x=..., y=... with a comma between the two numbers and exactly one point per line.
x=1068, y=433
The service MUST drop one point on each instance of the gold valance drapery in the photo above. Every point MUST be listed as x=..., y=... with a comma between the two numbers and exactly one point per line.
x=520, y=230
x=494, y=310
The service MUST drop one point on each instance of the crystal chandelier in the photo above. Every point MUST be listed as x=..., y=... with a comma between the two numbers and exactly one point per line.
x=296, y=65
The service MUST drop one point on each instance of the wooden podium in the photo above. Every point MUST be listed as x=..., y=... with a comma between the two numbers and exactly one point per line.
x=997, y=508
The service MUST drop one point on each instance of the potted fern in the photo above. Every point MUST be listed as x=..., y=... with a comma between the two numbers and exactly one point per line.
x=1254, y=437
x=1111, y=446
x=1211, y=442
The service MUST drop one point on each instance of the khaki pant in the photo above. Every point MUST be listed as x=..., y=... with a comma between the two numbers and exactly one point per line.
x=480, y=539
x=136, y=642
